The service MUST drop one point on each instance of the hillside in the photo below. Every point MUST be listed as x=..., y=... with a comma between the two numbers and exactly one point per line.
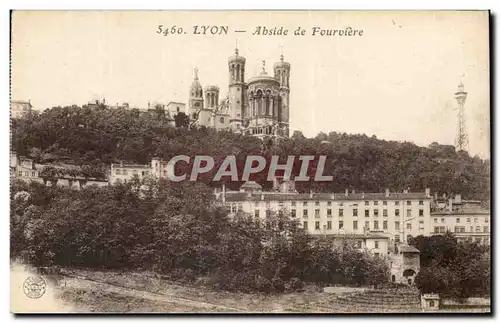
x=98, y=136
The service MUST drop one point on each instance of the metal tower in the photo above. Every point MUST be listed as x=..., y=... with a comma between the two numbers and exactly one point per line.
x=462, y=140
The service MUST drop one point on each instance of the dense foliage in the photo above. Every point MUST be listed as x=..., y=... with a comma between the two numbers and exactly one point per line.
x=451, y=269
x=100, y=135
x=177, y=229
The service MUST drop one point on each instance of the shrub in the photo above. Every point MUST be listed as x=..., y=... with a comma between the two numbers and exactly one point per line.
x=278, y=284
x=296, y=284
x=263, y=284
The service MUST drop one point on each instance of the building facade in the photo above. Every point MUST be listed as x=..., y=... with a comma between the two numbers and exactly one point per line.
x=123, y=173
x=467, y=220
x=19, y=108
x=259, y=106
x=395, y=215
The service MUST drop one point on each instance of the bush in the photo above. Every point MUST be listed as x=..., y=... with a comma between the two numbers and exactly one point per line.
x=263, y=284
x=296, y=284
x=278, y=284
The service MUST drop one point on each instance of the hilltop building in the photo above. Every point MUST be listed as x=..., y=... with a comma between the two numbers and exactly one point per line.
x=259, y=106
x=19, y=108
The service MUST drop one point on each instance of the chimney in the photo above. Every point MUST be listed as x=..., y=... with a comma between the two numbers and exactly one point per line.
x=311, y=194
x=346, y=192
x=386, y=192
x=363, y=195
x=332, y=197
x=262, y=197
x=427, y=192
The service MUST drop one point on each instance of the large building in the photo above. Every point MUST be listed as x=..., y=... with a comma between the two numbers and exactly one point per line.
x=468, y=220
x=258, y=106
x=123, y=173
x=20, y=109
x=395, y=215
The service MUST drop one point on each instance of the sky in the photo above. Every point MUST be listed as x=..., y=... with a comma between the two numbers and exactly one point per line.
x=396, y=81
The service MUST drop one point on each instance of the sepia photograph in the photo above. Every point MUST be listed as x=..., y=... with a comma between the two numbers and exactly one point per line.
x=250, y=162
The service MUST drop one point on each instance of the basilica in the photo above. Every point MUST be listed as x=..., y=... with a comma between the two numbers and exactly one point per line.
x=258, y=106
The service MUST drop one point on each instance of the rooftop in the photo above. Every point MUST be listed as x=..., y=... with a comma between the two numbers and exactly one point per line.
x=409, y=249
x=355, y=236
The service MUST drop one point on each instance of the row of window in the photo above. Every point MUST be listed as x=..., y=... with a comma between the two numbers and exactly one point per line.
x=484, y=240
x=442, y=229
x=27, y=173
x=376, y=226
x=305, y=212
x=476, y=220
x=134, y=172
x=329, y=203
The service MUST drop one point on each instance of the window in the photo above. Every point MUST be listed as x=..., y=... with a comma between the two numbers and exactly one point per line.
x=478, y=229
x=355, y=225
x=305, y=203
x=475, y=220
x=124, y=172
x=442, y=220
x=256, y=203
x=468, y=220
x=376, y=254
x=384, y=212
x=257, y=213
x=316, y=225
x=329, y=225
x=221, y=119
x=329, y=203
x=240, y=206
x=408, y=202
x=354, y=212
x=408, y=213
x=367, y=225
x=421, y=212
x=486, y=220
x=396, y=212
x=396, y=202
x=367, y=213
x=384, y=225
x=33, y=174
x=341, y=212
x=458, y=220
x=367, y=202
x=233, y=208
x=304, y=224
x=341, y=204
x=376, y=244
x=375, y=202
x=420, y=225
x=316, y=213
x=396, y=238
x=293, y=203
x=329, y=213
x=436, y=229
x=375, y=212
x=280, y=203
x=304, y=212
x=486, y=240
x=26, y=173
x=420, y=202
x=341, y=224
x=408, y=226
x=268, y=213
x=396, y=224
x=294, y=213
x=375, y=225
x=384, y=202
x=435, y=220
x=360, y=244
x=21, y=173
x=117, y=172
x=316, y=203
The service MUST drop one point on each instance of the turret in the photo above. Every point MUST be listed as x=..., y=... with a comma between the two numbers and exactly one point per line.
x=195, y=96
x=282, y=75
x=237, y=89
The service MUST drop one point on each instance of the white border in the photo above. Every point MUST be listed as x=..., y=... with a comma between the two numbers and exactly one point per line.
x=185, y=4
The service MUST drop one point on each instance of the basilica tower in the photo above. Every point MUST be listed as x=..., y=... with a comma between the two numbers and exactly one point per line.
x=282, y=74
x=237, y=90
x=195, y=97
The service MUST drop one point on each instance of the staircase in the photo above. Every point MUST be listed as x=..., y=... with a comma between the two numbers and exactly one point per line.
x=381, y=301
